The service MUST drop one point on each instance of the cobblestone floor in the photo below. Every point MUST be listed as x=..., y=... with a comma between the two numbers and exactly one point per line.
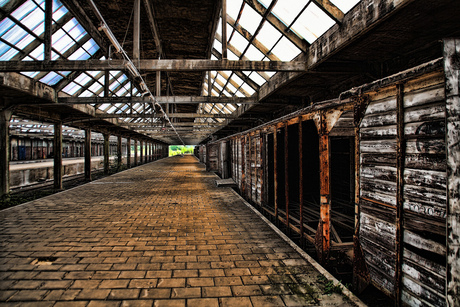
x=158, y=235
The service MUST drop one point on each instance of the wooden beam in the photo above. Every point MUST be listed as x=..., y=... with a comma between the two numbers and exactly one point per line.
x=48, y=27
x=161, y=99
x=224, y=29
x=170, y=115
x=136, y=30
x=330, y=9
x=152, y=65
x=153, y=26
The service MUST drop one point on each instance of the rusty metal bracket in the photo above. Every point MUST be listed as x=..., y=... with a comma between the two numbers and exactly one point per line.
x=359, y=109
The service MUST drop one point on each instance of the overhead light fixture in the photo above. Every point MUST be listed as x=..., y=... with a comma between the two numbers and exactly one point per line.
x=110, y=36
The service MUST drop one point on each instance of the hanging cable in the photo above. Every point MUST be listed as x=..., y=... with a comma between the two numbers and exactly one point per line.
x=131, y=67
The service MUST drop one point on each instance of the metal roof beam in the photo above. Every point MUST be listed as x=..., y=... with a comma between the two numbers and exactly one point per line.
x=159, y=99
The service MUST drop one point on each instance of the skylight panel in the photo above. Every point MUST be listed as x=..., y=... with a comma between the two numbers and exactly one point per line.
x=312, y=23
x=239, y=94
x=91, y=47
x=74, y=29
x=71, y=88
x=24, y=10
x=250, y=19
x=248, y=89
x=3, y=2
x=83, y=79
x=345, y=5
x=35, y=20
x=6, y=52
x=112, y=109
x=86, y=94
x=30, y=74
x=61, y=41
x=59, y=10
x=79, y=54
x=285, y=50
x=237, y=79
x=14, y=35
x=231, y=87
x=239, y=42
x=287, y=10
x=231, y=56
x=268, y=35
x=233, y=8
x=95, y=87
x=51, y=78
x=5, y=25
x=25, y=41
x=221, y=78
x=257, y=78
x=254, y=54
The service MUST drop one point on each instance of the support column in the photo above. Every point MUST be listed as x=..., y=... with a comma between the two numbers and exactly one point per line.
x=224, y=29
x=106, y=154
x=286, y=175
x=119, y=156
x=48, y=30
x=301, y=181
x=452, y=73
x=128, y=152
x=135, y=153
x=150, y=152
x=146, y=155
x=88, y=154
x=275, y=171
x=57, y=156
x=5, y=117
x=142, y=152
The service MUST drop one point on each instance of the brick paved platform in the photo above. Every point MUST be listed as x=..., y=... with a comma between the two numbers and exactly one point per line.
x=158, y=235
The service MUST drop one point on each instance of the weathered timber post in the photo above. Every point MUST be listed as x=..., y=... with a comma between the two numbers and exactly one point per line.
x=141, y=145
x=119, y=155
x=5, y=117
x=135, y=153
x=57, y=156
x=106, y=154
x=128, y=152
x=88, y=154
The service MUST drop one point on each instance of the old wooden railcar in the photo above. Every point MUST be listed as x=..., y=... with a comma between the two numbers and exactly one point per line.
x=373, y=173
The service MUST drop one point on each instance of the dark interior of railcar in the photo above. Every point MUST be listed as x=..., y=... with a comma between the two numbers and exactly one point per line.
x=342, y=174
x=310, y=169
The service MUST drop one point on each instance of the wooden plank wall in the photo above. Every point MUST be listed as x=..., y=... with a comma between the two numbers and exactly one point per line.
x=424, y=192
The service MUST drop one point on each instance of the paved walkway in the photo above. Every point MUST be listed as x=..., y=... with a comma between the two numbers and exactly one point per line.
x=158, y=235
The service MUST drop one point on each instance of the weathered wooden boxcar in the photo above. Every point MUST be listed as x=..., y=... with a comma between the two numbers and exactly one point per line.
x=373, y=173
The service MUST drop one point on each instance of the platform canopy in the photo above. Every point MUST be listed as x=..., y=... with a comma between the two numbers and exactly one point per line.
x=189, y=71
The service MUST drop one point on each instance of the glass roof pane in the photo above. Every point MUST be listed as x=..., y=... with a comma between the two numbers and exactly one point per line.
x=231, y=87
x=254, y=54
x=59, y=10
x=74, y=29
x=237, y=79
x=30, y=74
x=86, y=94
x=91, y=47
x=82, y=79
x=25, y=41
x=345, y=5
x=95, y=87
x=5, y=25
x=79, y=54
x=287, y=10
x=257, y=78
x=71, y=88
x=285, y=50
x=14, y=35
x=231, y=56
x=34, y=20
x=38, y=53
x=8, y=54
x=312, y=23
x=24, y=10
x=268, y=35
x=248, y=89
x=250, y=19
x=239, y=94
x=3, y=2
x=238, y=41
x=51, y=78
x=233, y=8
